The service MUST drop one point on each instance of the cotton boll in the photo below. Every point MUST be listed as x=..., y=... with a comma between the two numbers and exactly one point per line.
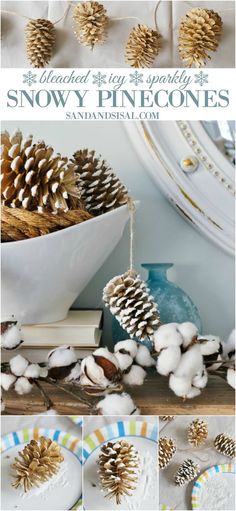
x=18, y=365
x=168, y=360
x=32, y=371
x=181, y=386
x=11, y=336
x=61, y=357
x=210, y=344
x=104, y=352
x=143, y=356
x=92, y=373
x=229, y=346
x=43, y=372
x=188, y=331
x=191, y=362
x=231, y=377
x=135, y=376
x=7, y=380
x=117, y=404
x=200, y=379
x=75, y=373
x=128, y=346
x=23, y=386
x=167, y=335
x=193, y=393
x=124, y=361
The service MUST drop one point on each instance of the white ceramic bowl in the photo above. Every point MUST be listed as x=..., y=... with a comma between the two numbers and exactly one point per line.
x=41, y=277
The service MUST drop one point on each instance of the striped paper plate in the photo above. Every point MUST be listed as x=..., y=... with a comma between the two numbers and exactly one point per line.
x=163, y=507
x=77, y=419
x=226, y=469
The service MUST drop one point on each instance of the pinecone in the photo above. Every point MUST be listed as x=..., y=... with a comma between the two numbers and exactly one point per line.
x=40, y=42
x=37, y=463
x=128, y=299
x=167, y=449
x=143, y=46
x=118, y=469
x=199, y=34
x=101, y=190
x=90, y=23
x=167, y=418
x=225, y=444
x=33, y=177
x=187, y=471
x=197, y=432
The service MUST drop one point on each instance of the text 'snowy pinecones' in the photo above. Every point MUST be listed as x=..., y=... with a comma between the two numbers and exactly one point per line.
x=37, y=463
x=225, y=444
x=128, y=299
x=90, y=23
x=167, y=449
x=197, y=432
x=40, y=42
x=143, y=46
x=34, y=177
x=118, y=469
x=186, y=472
x=199, y=34
x=101, y=190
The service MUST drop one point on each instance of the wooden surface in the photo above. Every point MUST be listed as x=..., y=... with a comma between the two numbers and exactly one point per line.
x=153, y=398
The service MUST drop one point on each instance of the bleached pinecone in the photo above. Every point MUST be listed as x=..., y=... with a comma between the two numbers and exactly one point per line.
x=128, y=299
x=167, y=418
x=197, y=432
x=90, y=23
x=167, y=449
x=37, y=463
x=199, y=34
x=34, y=177
x=187, y=471
x=225, y=444
x=101, y=189
x=40, y=42
x=118, y=469
x=143, y=46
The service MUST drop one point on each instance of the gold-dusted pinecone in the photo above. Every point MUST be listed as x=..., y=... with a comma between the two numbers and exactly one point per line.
x=197, y=432
x=34, y=177
x=40, y=42
x=90, y=23
x=199, y=35
x=143, y=46
x=225, y=444
x=187, y=471
x=118, y=469
x=167, y=449
x=37, y=463
x=101, y=190
x=167, y=418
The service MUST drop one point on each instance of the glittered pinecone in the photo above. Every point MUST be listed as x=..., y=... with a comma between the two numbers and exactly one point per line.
x=128, y=299
x=118, y=469
x=167, y=418
x=34, y=177
x=90, y=23
x=37, y=463
x=199, y=34
x=225, y=444
x=187, y=471
x=101, y=190
x=143, y=46
x=40, y=42
x=167, y=449
x=197, y=432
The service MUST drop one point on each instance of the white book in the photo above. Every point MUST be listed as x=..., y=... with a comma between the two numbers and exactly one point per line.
x=40, y=354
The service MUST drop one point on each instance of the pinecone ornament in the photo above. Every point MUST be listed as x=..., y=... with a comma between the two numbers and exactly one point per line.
x=167, y=449
x=128, y=299
x=187, y=471
x=34, y=177
x=118, y=469
x=143, y=46
x=101, y=190
x=225, y=444
x=40, y=42
x=199, y=34
x=90, y=23
x=197, y=432
x=37, y=463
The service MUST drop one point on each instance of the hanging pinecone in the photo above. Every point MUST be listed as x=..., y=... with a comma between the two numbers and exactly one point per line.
x=118, y=469
x=128, y=299
x=37, y=463
x=199, y=34
x=225, y=444
x=34, y=177
x=167, y=418
x=143, y=46
x=101, y=190
x=187, y=471
x=167, y=449
x=90, y=23
x=40, y=42
x=197, y=432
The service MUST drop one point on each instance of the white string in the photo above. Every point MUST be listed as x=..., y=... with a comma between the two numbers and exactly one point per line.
x=131, y=206
x=155, y=15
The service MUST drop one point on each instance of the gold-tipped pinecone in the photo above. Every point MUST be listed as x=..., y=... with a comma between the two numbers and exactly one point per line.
x=128, y=299
x=197, y=432
x=187, y=471
x=225, y=444
x=90, y=23
x=167, y=449
x=37, y=463
x=40, y=42
x=118, y=469
x=101, y=190
x=199, y=34
x=143, y=46
x=167, y=418
x=34, y=177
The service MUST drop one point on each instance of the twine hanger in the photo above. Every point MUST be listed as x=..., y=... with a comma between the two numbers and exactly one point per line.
x=132, y=210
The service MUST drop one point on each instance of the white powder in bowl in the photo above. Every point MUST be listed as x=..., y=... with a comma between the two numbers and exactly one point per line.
x=218, y=493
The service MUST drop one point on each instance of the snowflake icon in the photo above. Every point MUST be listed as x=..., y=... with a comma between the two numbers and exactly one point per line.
x=99, y=79
x=29, y=78
x=136, y=78
x=201, y=78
